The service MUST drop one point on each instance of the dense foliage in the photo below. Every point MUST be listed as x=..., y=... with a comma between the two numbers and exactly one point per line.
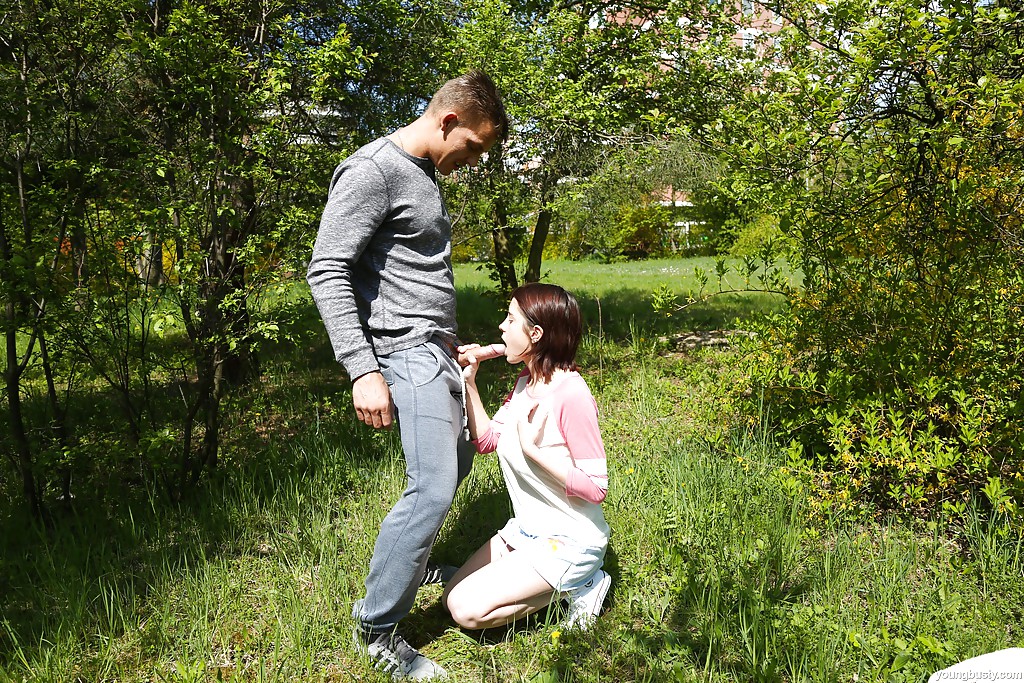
x=163, y=169
x=165, y=163
x=887, y=137
x=716, y=573
x=603, y=96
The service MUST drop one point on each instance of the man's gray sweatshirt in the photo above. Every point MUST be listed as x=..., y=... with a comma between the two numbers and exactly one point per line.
x=381, y=271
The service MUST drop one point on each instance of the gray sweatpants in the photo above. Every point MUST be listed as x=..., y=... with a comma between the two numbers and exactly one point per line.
x=426, y=387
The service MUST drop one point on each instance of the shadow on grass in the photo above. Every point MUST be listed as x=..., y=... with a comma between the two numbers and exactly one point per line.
x=730, y=626
x=737, y=570
x=92, y=568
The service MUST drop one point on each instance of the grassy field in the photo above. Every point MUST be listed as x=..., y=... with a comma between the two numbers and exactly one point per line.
x=597, y=276
x=617, y=296
x=720, y=573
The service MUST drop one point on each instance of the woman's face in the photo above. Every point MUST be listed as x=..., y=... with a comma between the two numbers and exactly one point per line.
x=519, y=336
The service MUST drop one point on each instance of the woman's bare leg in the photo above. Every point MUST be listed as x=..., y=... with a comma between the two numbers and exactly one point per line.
x=495, y=587
x=494, y=549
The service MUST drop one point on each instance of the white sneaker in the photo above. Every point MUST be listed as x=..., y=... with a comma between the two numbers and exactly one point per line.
x=586, y=601
x=391, y=654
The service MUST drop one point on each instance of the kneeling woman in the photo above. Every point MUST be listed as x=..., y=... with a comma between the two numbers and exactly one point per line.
x=549, y=445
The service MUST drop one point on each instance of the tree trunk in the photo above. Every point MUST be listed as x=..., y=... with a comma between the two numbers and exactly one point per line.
x=504, y=254
x=150, y=263
x=540, y=236
x=540, y=232
x=13, y=369
x=211, y=437
x=240, y=364
x=58, y=425
x=23, y=458
x=504, y=258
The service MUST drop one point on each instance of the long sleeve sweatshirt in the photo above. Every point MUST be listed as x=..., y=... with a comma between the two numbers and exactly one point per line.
x=381, y=271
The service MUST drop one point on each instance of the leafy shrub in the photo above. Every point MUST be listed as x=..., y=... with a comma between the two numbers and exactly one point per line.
x=638, y=231
x=896, y=399
x=634, y=230
x=754, y=237
x=897, y=371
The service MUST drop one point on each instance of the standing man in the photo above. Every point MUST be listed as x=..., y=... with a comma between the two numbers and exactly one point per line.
x=381, y=276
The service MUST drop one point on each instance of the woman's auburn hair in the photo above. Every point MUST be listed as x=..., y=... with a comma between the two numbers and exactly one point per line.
x=557, y=312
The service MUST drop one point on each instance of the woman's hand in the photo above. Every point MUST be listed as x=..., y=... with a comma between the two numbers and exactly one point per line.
x=470, y=356
x=550, y=460
x=467, y=351
x=469, y=371
x=530, y=431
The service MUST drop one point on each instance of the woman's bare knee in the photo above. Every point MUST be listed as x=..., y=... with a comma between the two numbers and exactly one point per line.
x=463, y=611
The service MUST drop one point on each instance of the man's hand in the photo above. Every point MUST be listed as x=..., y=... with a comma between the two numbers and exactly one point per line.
x=372, y=400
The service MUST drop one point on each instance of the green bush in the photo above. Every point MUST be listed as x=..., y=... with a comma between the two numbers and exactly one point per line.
x=634, y=230
x=897, y=371
x=638, y=231
x=896, y=399
x=754, y=237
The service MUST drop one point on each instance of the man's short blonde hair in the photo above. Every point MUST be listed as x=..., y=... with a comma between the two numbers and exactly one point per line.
x=474, y=95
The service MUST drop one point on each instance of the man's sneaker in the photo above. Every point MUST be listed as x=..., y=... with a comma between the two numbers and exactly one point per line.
x=438, y=573
x=586, y=601
x=391, y=654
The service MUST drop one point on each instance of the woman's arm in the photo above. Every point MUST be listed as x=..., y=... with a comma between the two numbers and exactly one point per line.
x=577, y=422
x=584, y=474
x=481, y=427
x=478, y=419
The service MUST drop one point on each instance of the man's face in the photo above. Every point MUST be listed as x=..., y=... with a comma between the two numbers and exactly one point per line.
x=462, y=143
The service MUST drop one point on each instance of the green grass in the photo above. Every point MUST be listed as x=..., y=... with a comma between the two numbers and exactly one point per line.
x=598, y=277
x=720, y=573
x=616, y=297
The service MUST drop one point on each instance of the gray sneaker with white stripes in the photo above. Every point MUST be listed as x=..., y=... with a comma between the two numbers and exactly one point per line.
x=438, y=573
x=391, y=654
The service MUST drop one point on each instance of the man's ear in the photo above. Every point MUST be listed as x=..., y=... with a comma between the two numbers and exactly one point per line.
x=449, y=121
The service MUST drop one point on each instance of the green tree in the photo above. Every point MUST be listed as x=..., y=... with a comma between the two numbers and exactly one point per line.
x=59, y=75
x=618, y=212
x=164, y=167
x=232, y=177
x=888, y=136
x=578, y=83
